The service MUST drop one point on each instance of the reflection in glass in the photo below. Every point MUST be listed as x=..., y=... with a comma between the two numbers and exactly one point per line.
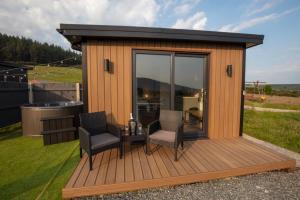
x=189, y=83
x=153, y=76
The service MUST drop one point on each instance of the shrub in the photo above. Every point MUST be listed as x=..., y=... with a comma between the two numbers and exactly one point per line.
x=268, y=89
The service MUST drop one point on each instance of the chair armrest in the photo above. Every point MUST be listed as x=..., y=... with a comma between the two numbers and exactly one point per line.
x=153, y=127
x=179, y=133
x=114, y=129
x=85, y=139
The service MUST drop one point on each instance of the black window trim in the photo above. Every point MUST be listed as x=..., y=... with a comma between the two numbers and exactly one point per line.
x=204, y=55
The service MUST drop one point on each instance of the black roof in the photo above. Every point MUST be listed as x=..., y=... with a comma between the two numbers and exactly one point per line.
x=76, y=33
x=7, y=65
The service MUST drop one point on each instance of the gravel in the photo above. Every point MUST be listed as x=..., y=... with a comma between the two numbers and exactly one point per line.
x=270, y=185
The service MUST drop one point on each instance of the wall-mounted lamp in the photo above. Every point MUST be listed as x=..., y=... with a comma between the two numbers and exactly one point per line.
x=106, y=65
x=229, y=70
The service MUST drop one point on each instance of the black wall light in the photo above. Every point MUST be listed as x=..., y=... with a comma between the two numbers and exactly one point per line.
x=106, y=65
x=229, y=70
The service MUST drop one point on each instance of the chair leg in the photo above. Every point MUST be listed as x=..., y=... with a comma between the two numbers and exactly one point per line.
x=182, y=144
x=176, y=159
x=147, y=149
x=80, y=152
x=91, y=162
x=121, y=151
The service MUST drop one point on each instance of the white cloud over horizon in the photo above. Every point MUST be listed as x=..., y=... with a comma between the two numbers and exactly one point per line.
x=40, y=19
x=255, y=21
x=196, y=22
x=261, y=6
x=183, y=9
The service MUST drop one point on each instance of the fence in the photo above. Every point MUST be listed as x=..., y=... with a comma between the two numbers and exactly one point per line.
x=51, y=92
x=13, y=95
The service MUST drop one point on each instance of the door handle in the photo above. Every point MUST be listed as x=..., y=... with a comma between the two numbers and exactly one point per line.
x=204, y=92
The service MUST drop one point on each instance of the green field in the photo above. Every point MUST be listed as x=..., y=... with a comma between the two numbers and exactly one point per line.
x=282, y=129
x=29, y=169
x=56, y=74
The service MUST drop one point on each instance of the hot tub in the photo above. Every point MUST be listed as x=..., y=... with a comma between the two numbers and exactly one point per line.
x=33, y=113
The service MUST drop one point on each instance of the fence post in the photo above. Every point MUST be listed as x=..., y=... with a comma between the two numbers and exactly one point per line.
x=30, y=93
x=77, y=92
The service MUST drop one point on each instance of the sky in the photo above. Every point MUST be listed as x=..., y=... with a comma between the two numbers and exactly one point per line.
x=276, y=61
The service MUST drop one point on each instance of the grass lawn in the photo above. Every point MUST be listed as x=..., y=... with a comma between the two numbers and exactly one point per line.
x=282, y=129
x=56, y=74
x=27, y=166
x=273, y=105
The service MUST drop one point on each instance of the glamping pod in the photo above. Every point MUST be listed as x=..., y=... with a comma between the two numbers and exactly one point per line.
x=141, y=70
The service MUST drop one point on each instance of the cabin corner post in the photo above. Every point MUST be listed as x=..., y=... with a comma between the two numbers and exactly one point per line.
x=243, y=91
x=84, y=76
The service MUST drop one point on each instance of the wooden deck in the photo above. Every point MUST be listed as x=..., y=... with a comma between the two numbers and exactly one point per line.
x=200, y=161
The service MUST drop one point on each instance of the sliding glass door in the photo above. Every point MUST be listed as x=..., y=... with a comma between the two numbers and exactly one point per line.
x=153, y=86
x=189, y=92
x=166, y=80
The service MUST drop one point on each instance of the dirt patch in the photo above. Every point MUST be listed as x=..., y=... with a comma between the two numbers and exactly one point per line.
x=276, y=99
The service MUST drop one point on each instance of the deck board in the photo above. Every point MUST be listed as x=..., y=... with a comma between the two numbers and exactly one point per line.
x=137, y=168
x=129, y=176
x=111, y=171
x=168, y=163
x=120, y=173
x=246, y=153
x=235, y=162
x=160, y=164
x=200, y=160
x=235, y=155
x=147, y=174
x=153, y=166
x=94, y=173
x=103, y=168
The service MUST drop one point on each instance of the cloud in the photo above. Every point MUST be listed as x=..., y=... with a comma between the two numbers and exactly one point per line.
x=38, y=19
x=196, y=21
x=247, y=24
x=255, y=21
x=166, y=4
x=183, y=9
x=261, y=8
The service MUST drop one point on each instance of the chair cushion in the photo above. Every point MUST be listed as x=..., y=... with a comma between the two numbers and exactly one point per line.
x=164, y=136
x=102, y=140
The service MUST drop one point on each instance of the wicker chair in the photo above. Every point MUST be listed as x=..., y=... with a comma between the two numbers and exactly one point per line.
x=96, y=135
x=167, y=131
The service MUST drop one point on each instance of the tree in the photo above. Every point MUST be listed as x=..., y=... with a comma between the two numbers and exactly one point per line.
x=24, y=50
x=268, y=89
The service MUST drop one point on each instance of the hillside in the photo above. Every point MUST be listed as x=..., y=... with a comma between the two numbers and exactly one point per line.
x=28, y=51
x=55, y=74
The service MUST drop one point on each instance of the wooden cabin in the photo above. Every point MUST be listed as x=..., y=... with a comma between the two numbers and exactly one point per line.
x=142, y=70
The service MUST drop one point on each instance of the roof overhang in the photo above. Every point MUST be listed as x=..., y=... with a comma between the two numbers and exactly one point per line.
x=76, y=33
x=9, y=65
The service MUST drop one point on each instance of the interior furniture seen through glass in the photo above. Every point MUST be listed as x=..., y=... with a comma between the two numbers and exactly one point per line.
x=189, y=92
x=171, y=81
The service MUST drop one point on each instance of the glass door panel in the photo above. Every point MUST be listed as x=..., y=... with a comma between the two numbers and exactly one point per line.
x=153, y=85
x=189, y=92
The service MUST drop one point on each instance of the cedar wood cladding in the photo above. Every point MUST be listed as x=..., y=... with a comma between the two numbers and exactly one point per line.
x=112, y=92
